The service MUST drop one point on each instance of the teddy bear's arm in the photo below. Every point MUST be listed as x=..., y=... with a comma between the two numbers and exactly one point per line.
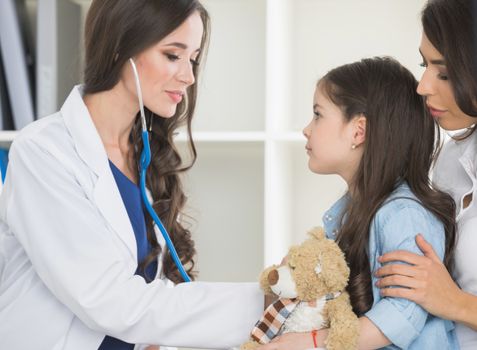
x=343, y=324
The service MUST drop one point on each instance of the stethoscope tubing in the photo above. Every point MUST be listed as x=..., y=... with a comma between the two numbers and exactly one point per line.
x=144, y=164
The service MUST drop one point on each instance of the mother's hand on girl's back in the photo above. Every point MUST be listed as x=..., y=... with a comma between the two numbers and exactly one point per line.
x=424, y=281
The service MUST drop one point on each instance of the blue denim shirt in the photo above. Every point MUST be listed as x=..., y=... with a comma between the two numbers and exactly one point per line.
x=395, y=225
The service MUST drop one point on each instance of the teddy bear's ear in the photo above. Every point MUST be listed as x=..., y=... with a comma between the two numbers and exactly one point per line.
x=317, y=233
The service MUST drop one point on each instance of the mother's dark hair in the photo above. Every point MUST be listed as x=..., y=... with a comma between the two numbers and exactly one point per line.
x=399, y=146
x=450, y=25
x=116, y=30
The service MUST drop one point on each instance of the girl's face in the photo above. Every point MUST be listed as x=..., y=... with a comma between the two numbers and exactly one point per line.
x=437, y=89
x=165, y=69
x=330, y=139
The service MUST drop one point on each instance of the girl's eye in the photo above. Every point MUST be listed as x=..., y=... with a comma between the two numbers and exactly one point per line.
x=195, y=63
x=316, y=115
x=423, y=64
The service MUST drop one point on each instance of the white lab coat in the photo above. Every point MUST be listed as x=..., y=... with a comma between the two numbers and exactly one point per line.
x=68, y=255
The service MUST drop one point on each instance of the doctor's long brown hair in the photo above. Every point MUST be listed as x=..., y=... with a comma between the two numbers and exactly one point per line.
x=115, y=31
x=400, y=145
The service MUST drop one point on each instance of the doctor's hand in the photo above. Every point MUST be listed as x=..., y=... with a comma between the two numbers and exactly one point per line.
x=426, y=280
x=296, y=341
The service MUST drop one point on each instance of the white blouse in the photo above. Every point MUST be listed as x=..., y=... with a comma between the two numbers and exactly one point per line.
x=456, y=174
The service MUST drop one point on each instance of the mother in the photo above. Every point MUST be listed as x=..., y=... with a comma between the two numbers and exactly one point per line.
x=449, y=84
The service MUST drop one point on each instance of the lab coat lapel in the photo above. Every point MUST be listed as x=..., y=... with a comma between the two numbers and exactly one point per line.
x=91, y=150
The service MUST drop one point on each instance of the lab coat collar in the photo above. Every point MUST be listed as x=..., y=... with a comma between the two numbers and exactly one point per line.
x=91, y=150
x=85, y=135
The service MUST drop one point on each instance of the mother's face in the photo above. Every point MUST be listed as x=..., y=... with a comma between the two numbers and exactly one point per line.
x=437, y=89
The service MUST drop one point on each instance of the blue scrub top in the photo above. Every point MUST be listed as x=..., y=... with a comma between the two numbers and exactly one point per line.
x=131, y=196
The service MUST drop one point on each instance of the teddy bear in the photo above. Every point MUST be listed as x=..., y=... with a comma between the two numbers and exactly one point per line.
x=310, y=285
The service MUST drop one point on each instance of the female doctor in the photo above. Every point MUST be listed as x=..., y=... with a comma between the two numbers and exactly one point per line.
x=81, y=266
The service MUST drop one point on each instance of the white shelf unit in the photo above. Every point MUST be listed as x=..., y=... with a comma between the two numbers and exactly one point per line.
x=250, y=193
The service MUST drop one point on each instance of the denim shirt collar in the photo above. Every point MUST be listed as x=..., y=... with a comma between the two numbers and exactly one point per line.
x=332, y=218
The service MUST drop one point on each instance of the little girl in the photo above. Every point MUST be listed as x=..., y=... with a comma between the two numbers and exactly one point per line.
x=371, y=128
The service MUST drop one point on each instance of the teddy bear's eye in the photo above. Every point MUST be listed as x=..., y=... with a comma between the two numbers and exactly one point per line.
x=292, y=267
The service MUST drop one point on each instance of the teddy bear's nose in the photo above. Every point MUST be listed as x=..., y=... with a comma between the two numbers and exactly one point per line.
x=273, y=277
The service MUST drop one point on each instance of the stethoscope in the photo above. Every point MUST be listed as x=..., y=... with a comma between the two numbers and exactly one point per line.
x=143, y=165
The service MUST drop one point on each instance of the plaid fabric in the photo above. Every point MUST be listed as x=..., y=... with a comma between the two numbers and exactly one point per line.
x=272, y=320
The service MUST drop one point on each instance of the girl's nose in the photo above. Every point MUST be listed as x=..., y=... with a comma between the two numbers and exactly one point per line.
x=306, y=131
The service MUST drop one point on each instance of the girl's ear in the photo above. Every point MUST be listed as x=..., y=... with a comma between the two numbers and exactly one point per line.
x=359, y=135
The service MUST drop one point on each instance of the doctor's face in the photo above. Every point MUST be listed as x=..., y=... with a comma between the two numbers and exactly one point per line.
x=437, y=89
x=166, y=68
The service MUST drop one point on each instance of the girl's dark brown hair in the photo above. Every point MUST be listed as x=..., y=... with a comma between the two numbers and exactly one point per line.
x=115, y=31
x=400, y=146
x=450, y=25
